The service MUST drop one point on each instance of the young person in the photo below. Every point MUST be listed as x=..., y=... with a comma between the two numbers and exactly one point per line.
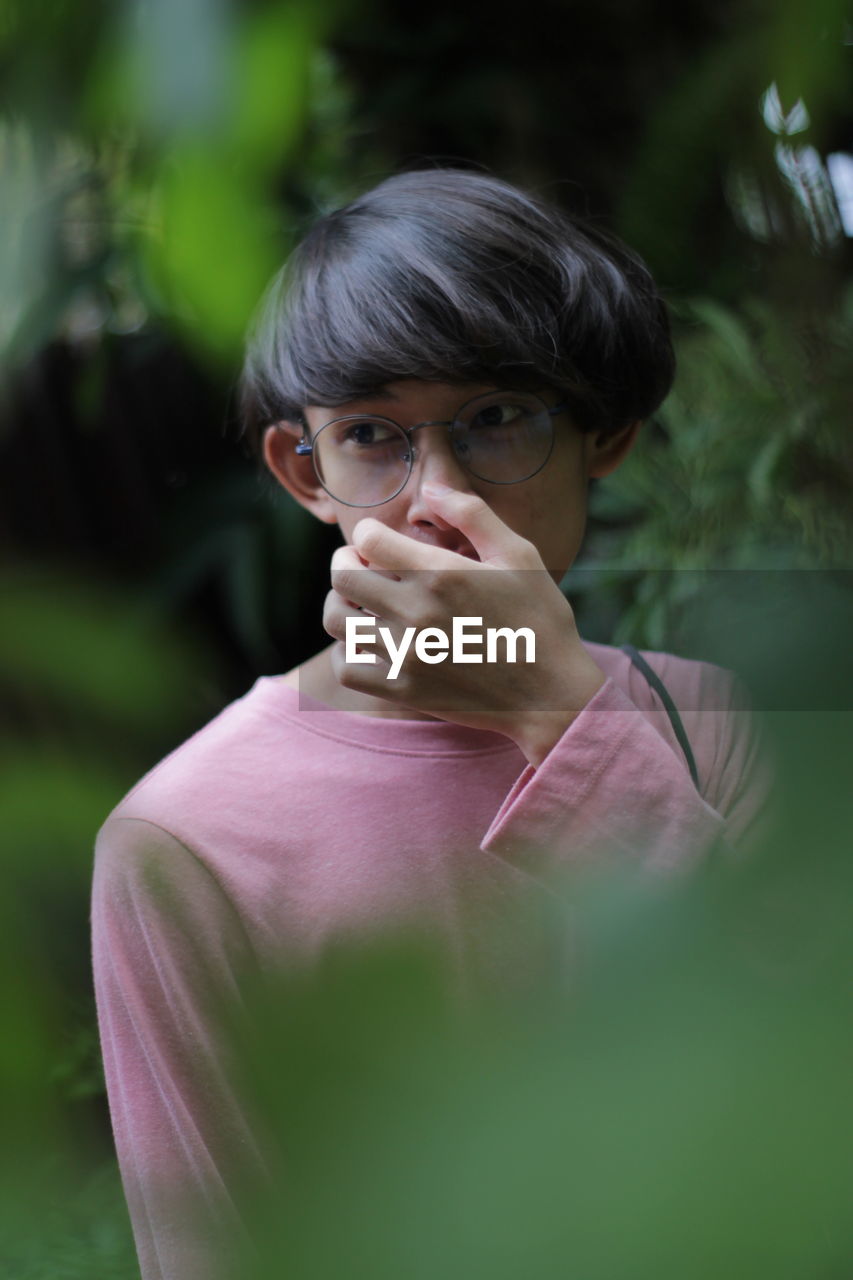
x=441, y=369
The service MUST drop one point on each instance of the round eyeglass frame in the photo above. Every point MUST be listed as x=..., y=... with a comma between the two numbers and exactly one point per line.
x=305, y=447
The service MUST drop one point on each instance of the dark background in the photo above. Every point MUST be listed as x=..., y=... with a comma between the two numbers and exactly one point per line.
x=121, y=459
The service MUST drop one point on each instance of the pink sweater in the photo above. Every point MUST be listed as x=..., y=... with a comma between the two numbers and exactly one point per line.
x=283, y=824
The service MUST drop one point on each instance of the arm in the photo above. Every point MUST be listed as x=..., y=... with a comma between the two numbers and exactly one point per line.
x=168, y=950
x=613, y=784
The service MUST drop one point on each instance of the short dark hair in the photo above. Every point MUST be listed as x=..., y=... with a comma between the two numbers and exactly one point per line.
x=450, y=275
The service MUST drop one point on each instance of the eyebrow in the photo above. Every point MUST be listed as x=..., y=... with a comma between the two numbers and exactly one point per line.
x=381, y=393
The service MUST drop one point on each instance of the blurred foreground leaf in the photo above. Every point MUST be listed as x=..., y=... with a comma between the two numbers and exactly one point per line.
x=678, y=1104
x=94, y=693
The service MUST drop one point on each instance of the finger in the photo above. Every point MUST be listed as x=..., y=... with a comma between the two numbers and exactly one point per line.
x=341, y=618
x=394, y=553
x=360, y=586
x=362, y=677
x=347, y=557
x=494, y=541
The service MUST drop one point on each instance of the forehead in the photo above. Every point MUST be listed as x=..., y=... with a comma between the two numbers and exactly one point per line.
x=407, y=397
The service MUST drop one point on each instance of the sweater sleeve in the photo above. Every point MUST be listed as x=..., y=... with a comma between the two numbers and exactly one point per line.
x=168, y=952
x=614, y=785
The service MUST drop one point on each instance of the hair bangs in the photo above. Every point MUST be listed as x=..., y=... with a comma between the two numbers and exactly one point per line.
x=451, y=276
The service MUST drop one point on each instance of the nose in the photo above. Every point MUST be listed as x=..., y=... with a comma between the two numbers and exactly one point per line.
x=435, y=460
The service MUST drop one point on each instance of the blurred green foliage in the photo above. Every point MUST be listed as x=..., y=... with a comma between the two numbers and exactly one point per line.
x=674, y=1101
x=748, y=467
x=751, y=468
x=94, y=693
x=162, y=165
x=676, y=1104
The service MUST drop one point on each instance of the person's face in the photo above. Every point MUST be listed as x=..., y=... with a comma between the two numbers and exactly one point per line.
x=548, y=509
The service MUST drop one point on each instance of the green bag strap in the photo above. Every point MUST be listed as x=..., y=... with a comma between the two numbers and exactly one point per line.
x=660, y=689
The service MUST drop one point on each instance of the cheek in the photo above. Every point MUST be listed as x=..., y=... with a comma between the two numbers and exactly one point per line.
x=558, y=504
x=555, y=519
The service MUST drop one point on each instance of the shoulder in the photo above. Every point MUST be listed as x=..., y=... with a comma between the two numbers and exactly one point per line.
x=195, y=847
x=713, y=707
x=693, y=685
x=209, y=791
x=138, y=862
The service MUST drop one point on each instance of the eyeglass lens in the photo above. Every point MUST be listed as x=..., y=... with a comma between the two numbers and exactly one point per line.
x=503, y=438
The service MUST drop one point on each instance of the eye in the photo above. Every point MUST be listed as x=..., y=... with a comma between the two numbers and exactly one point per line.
x=502, y=413
x=367, y=433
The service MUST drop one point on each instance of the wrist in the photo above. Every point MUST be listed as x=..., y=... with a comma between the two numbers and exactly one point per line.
x=538, y=733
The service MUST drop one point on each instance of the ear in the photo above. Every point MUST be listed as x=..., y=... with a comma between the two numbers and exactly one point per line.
x=605, y=450
x=294, y=472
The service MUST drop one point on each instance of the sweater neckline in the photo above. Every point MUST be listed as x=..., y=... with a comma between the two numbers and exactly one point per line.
x=419, y=737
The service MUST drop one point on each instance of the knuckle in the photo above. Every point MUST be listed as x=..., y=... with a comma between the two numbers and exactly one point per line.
x=332, y=615
x=346, y=675
x=527, y=553
x=367, y=536
x=425, y=607
x=338, y=664
x=434, y=583
x=341, y=558
x=343, y=581
x=351, y=676
x=422, y=617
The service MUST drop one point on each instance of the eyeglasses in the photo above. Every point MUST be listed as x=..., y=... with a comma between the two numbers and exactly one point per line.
x=503, y=438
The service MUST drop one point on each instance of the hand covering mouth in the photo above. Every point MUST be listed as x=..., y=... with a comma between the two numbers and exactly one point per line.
x=458, y=545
